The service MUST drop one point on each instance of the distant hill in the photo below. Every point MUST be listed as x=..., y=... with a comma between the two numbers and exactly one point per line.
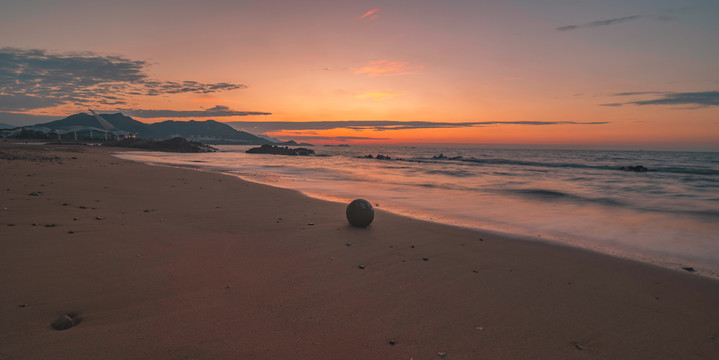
x=7, y=126
x=118, y=120
x=206, y=131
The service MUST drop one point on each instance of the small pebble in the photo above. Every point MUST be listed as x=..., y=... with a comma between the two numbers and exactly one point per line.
x=425, y=259
x=393, y=342
x=441, y=354
x=21, y=305
x=361, y=267
x=690, y=269
x=99, y=218
x=70, y=232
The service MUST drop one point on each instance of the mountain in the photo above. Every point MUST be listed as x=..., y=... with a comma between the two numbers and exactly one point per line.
x=207, y=131
x=118, y=120
x=7, y=126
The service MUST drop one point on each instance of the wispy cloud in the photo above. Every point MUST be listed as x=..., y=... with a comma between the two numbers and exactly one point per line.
x=382, y=125
x=34, y=78
x=370, y=15
x=599, y=23
x=697, y=99
x=378, y=95
x=386, y=67
x=217, y=111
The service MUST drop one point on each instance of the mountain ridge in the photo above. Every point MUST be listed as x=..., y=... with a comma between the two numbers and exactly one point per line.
x=206, y=131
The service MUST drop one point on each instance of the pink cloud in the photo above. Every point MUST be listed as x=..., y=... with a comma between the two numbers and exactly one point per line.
x=386, y=67
x=372, y=14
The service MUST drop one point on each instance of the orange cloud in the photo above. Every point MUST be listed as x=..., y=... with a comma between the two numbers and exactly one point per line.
x=386, y=67
x=372, y=14
x=379, y=95
x=207, y=100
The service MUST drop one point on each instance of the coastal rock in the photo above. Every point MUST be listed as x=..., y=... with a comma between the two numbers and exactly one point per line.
x=636, y=168
x=177, y=144
x=444, y=157
x=280, y=150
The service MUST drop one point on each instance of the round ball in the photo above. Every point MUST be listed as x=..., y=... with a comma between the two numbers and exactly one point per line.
x=360, y=213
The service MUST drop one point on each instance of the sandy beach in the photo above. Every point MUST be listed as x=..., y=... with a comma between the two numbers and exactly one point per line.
x=169, y=263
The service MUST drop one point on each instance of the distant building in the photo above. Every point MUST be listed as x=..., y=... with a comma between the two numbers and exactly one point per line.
x=71, y=133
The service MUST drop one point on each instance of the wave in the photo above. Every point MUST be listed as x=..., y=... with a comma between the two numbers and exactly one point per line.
x=619, y=166
x=544, y=194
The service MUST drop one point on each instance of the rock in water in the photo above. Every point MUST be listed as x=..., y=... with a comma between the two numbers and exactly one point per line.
x=360, y=213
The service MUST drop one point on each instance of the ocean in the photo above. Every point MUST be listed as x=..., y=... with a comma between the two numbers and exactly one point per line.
x=667, y=215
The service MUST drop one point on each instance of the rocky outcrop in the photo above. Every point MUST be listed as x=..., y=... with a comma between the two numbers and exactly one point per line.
x=379, y=157
x=177, y=144
x=445, y=157
x=280, y=150
x=637, y=168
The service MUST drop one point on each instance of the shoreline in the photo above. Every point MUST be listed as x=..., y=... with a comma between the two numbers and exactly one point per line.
x=193, y=264
x=701, y=267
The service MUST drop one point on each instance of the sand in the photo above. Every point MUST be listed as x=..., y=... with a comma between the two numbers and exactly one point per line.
x=167, y=263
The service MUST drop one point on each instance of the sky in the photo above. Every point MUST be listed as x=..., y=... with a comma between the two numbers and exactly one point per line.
x=626, y=74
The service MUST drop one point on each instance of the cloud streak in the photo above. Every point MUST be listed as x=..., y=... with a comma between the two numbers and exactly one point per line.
x=371, y=15
x=381, y=125
x=388, y=68
x=34, y=78
x=217, y=111
x=698, y=99
x=599, y=23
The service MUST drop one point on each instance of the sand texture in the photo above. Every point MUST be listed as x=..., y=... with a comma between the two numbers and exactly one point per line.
x=151, y=262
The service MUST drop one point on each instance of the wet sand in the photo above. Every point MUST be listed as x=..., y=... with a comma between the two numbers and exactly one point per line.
x=169, y=263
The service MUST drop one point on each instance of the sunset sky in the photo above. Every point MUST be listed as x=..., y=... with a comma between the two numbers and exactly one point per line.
x=624, y=73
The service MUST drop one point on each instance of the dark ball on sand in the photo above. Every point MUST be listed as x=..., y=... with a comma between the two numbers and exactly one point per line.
x=360, y=213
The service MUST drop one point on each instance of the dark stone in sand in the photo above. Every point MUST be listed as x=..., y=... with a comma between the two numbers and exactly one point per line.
x=688, y=268
x=393, y=342
x=65, y=322
x=425, y=259
x=99, y=218
x=361, y=267
x=280, y=150
x=360, y=213
x=21, y=305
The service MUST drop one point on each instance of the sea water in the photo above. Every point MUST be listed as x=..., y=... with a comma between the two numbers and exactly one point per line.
x=667, y=215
